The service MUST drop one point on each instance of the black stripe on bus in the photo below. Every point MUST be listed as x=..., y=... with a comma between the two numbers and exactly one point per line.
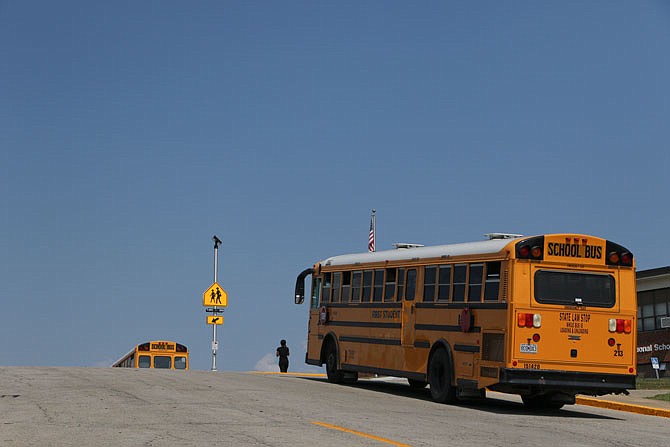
x=461, y=305
x=366, y=305
x=372, y=341
x=444, y=328
x=384, y=371
x=466, y=348
x=467, y=384
x=365, y=324
x=422, y=344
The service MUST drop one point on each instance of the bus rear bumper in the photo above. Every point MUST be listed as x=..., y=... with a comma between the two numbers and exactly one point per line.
x=525, y=381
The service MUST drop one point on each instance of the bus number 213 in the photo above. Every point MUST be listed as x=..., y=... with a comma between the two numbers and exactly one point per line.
x=618, y=352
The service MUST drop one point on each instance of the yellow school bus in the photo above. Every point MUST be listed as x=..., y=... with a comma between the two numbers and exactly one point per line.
x=546, y=317
x=155, y=354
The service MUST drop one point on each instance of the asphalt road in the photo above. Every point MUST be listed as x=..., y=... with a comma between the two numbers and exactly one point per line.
x=127, y=407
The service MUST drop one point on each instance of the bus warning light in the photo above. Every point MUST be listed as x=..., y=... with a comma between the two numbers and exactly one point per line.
x=614, y=257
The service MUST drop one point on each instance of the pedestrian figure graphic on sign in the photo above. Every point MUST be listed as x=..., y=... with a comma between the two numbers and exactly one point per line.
x=215, y=298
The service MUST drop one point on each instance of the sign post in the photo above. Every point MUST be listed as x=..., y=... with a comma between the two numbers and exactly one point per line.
x=655, y=365
x=217, y=297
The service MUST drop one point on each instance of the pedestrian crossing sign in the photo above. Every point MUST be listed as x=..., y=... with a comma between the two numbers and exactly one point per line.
x=215, y=296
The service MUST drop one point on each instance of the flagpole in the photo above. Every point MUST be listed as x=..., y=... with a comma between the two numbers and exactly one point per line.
x=373, y=230
x=374, y=226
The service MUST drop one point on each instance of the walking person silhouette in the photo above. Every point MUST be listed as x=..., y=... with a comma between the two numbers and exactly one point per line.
x=282, y=353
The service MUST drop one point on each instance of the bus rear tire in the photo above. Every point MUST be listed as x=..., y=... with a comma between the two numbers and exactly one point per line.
x=417, y=384
x=439, y=377
x=350, y=378
x=334, y=375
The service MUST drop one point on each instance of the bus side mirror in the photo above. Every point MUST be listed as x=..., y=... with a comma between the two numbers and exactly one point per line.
x=300, y=295
x=300, y=285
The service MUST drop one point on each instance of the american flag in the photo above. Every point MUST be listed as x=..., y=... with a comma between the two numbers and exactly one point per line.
x=371, y=237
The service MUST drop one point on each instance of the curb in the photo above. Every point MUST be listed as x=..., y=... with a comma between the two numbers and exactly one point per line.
x=289, y=374
x=631, y=408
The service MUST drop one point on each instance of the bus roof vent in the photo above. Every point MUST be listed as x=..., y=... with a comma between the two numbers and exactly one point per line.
x=492, y=236
x=399, y=245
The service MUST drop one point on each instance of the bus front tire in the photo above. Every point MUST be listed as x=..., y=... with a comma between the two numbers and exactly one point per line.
x=439, y=378
x=334, y=375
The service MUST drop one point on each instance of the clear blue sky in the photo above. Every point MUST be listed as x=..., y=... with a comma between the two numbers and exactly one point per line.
x=131, y=132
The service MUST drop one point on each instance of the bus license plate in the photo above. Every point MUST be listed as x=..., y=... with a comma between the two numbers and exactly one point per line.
x=528, y=348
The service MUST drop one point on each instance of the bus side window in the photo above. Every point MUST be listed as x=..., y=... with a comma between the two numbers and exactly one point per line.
x=316, y=293
x=429, y=283
x=460, y=271
x=326, y=287
x=336, y=287
x=389, y=291
x=411, y=284
x=346, y=286
x=356, y=287
x=401, y=284
x=475, y=282
x=367, y=285
x=492, y=284
x=378, y=285
x=444, y=283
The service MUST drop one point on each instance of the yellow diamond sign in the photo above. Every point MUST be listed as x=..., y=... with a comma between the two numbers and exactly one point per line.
x=215, y=296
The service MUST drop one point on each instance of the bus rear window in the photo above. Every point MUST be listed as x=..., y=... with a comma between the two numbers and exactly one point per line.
x=145, y=361
x=571, y=288
x=162, y=361
x=180, y=363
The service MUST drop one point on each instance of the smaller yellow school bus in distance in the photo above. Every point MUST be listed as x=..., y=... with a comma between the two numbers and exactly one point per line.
x=546, y=317
x=155, y=354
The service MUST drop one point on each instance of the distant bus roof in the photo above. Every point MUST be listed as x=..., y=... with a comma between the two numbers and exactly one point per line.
x=405, y=254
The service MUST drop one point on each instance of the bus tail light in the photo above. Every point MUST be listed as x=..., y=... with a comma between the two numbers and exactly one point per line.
x=522, y=319
x=537, y=320
x=531, y=248
x=620, y=326
x=143, y=347
x=529, y=320
x=618, y=255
